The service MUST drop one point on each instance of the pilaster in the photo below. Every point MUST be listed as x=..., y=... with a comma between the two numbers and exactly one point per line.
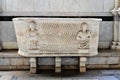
x=118, y=43
x=115, y=41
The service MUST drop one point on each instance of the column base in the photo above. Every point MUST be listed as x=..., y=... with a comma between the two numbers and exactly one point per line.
x=114, y=11
x=118, y=46
x=114, y=45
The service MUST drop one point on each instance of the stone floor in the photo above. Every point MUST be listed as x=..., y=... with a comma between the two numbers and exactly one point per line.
x=66, y=75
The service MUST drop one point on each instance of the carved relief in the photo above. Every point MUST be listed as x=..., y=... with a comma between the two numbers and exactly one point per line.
x=57, y=37
x=32, y=36
x=84, y=36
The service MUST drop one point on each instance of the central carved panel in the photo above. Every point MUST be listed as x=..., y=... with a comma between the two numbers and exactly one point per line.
x=57, y=36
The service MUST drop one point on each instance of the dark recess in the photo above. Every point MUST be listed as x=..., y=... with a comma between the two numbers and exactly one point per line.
x=104, y=18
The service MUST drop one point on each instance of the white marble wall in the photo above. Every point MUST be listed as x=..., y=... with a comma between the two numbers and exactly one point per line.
x=33, y=7
x=56, y=5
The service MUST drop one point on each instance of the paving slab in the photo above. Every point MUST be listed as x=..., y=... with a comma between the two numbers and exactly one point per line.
x=66, y=75
x=108, y=78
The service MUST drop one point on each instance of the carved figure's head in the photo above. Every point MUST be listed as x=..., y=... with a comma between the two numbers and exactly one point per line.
x=84, y=26
x=32, y=26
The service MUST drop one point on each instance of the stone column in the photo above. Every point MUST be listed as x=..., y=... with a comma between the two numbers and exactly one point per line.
x=116, y=25
x=118, y=46
x=58, y=64
x=0, y=35
x=82, y=64
x=33, y=65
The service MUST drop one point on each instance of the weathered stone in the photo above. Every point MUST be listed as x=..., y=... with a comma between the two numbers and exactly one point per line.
x=46, y=67
x=9, y=42
x=108, y=8
x=82, y=69
x=69, y=61
x=7, y=67
x=57, y=6
x=82, y=64
x=113, y=60
x=33, y=65
x=100, y=7
x=6, y=77
x=33, y=70
x=70, y=67
x=13, y=67
x=33, y=62
x=106, y=32
x=3, y=5
x=97, y=60
x=9, y=45
x=84, y=32
x=24, y=67
x=46, y=61
x=17, y=61
x=116, y=40
x=115, y=66
x=98, y=66
x=5, y=61
x=26, y=61
x=23, y=6
x=104, y=45
x=10, y=32
x=83, y=59
x=57, y=64
x=57, y=69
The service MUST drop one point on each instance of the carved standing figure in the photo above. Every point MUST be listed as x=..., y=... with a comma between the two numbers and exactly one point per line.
x=33, y=36
x=84, y=36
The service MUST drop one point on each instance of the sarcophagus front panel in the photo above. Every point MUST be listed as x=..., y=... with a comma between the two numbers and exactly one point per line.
x=57, y=36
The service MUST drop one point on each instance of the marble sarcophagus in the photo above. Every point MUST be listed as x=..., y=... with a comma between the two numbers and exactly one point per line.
x=57, y=36
x=42, y=37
